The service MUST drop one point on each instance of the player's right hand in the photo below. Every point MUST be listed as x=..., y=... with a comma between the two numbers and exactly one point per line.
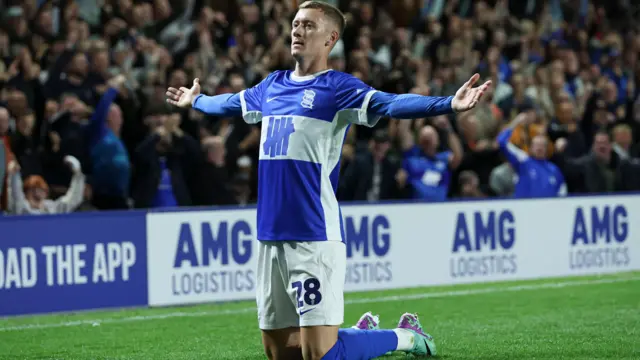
x=183, y=97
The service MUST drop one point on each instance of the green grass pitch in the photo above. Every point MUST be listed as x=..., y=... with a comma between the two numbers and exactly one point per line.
x=572, y=318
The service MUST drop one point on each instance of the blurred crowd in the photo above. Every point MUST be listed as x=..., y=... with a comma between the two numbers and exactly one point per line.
x=84, y=123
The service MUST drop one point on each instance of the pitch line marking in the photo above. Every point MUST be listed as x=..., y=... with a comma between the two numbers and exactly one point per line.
x=372, y=300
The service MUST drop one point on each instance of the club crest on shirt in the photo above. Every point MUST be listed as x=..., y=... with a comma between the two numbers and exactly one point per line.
x=307, y=99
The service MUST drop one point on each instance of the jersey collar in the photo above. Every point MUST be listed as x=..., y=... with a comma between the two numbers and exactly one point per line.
x=307, y=77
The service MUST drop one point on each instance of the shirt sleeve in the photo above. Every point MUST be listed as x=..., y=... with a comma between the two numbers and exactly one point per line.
x=97, y=127
x=352, y=100
x=74, y=196
x=218, y=105
x=409, y=106
x=514, y=155
x=18, y=203
x=251, y=101
x=445, y=156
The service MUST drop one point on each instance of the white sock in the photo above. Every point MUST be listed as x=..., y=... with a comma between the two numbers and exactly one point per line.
x=405, y=339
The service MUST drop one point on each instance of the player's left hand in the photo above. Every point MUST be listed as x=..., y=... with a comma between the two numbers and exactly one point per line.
x=467, y=97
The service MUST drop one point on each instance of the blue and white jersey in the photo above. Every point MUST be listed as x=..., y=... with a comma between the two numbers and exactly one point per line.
x=535, y=178
x=304, y=123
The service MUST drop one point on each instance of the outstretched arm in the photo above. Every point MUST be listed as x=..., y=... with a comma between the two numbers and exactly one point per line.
x=245, y=103
x=218, y=105
x=411, y=106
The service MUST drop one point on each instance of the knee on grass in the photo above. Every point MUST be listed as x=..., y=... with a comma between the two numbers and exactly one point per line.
x=274, y=352
x=282, y=344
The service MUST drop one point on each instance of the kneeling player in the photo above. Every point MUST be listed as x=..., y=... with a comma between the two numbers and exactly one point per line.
x=305, y=115
x=301, y=305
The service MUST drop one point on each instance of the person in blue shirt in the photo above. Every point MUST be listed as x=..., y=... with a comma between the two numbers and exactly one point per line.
x=428, y=169
x=305, y=115
x=537, y=177
x=111, y=170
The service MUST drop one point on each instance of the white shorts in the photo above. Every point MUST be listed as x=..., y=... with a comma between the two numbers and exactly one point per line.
x=300, y=283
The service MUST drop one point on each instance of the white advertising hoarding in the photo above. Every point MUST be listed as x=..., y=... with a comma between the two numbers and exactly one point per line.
x=201, y=256
x=204, y=256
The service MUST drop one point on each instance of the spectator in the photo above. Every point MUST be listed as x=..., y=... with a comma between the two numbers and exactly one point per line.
x=628, y=175
x=429, y=171
x=565, y=126
x=162, y=172
x=469, y=186
x=596, y=171
x=215, y=185
x=33, y=199
x=537, y=177
x=532, y=126
x=539, y=92
x=240, y=138
x=481, y=155
x=487, y=116
x=622, y=142
x=3, y=174
x=574, y=71
x=374, y=175
x=6, y=157
x=111, y=168
x=70, y=74
x=502, y=180
x=24, y=147
x=516, y=101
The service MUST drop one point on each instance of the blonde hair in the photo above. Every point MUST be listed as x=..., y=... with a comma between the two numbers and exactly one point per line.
x=329, y=10
x=622, y=128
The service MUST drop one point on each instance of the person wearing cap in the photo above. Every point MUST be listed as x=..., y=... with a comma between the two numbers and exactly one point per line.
x=32, y=196
x=373, y=175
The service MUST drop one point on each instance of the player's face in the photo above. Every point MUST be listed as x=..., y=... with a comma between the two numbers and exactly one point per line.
x=311, y=34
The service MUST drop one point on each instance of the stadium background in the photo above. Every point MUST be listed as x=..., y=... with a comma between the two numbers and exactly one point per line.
x=570, y=66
